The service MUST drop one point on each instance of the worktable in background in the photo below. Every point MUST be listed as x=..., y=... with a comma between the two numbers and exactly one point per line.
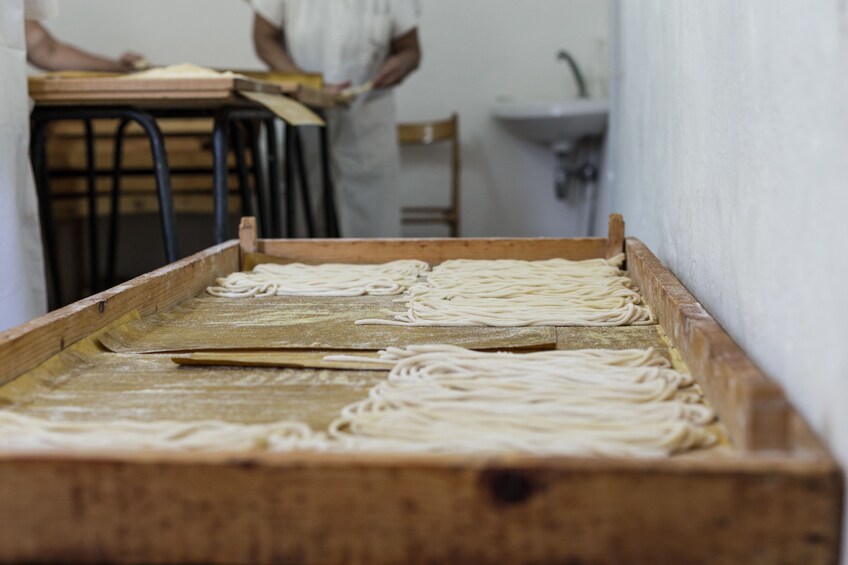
x=145, y=101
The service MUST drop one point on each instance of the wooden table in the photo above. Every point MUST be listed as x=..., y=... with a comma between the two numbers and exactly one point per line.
x=143, y=101
x=773, y=496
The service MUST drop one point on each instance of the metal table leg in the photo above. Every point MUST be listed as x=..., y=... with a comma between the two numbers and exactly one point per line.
x=273, y=178
x=330, y=215
x=303, y=177
x=239, y=148
x=260, y=176
x=163, y=180
x=93, y=237
x=38, y=155
x=288, y=170
x=220, y=150
x=115, y=206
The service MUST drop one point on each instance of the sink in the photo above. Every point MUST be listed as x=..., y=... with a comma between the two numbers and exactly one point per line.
x=558, y=125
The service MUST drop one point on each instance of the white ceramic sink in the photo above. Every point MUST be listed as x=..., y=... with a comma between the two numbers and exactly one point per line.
x=556, y=124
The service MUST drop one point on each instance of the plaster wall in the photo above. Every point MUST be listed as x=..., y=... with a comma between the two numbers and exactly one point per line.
x=728, y=156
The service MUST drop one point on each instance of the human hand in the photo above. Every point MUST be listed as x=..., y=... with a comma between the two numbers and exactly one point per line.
x=392, y=73
x=130, y=61
x=336, y=89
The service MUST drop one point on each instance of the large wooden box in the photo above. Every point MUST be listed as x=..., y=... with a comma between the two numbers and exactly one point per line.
x=776, y=497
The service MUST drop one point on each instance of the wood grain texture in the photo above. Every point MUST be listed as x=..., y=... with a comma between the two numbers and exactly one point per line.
x=45, y=89
x=26, y=346
x=247, y=237
x=210, y=324
x=329, y=509
x=751, y=406
x=432, y=251
x=615, y=239
x=742, y=506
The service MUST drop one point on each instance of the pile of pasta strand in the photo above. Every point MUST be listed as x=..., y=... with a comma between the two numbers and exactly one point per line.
x=20, y=432
x=329, y=279
x=446, y=399
x=507, y=293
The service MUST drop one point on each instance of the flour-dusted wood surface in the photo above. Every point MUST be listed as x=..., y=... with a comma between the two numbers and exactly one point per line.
x=743, y=504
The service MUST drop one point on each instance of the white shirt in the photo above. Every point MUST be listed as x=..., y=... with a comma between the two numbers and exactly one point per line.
x=345, y=40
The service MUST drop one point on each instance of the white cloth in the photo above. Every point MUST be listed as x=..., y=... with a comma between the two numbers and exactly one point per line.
x=348, y=40
x=22, y=286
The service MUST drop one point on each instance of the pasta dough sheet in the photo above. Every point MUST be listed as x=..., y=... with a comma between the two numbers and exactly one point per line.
x=210, y=324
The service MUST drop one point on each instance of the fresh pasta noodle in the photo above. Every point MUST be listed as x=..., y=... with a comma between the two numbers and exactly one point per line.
x=330, y=279
x=593, y=402
x=556, y=292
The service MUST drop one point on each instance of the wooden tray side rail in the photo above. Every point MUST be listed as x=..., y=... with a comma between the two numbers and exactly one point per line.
x=28, y=345
x=752, y=407
x=430, y=250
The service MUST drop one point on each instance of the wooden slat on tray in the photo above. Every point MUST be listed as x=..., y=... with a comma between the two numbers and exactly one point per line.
x=205, y=324
x=616, y=337
x=281, y=359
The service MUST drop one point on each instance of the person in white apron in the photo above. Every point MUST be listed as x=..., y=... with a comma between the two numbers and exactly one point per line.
x=22, y=287
x=351, y=42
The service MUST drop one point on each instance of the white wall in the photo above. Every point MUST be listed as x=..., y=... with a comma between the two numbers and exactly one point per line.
x=729, y=158
x=474, y=52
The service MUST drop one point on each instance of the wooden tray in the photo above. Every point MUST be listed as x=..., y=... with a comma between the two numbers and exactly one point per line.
x=100, y=89
x=775, y=497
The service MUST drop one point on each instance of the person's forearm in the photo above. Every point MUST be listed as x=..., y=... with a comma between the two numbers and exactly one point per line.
x=62, y=57
x=277, y=59
x=409, y=59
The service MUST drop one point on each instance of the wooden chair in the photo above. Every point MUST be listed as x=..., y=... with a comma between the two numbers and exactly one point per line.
x=429, y=133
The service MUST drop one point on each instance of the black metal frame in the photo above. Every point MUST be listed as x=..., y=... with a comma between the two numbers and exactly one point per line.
x=247, y=125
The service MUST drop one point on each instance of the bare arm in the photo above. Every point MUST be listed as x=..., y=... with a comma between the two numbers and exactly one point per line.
x=268, y=42
x=404, y=59
x=45, y=52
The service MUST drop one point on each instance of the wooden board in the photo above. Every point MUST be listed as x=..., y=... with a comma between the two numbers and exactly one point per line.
x=117, y=89
x=279, y=359
x=209, y=324
x=290, y=111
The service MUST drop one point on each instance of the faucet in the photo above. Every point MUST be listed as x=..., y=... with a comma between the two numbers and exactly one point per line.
x=564, y=55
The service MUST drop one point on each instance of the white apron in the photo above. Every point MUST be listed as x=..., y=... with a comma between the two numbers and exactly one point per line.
x=22, y=285
x=348, y=40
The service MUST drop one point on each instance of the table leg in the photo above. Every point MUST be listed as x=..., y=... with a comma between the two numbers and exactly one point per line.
x=239, y=147
x=115, y=206
x=303, y=176
x=273, y=177
x=220, y=150
x=260, y=176
x=38, y=154
x=163, y=179
x=330, y=215
x=288, y=170
x=93, y=236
